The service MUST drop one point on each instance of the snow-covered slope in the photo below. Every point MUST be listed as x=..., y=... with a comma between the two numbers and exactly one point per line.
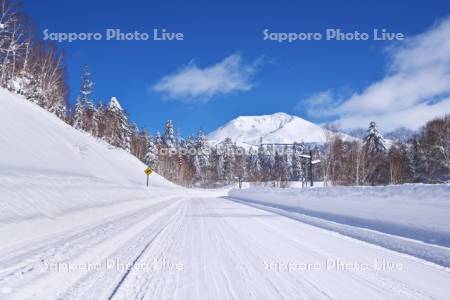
x=33, y=141
x=276, y=128
x=48, y=168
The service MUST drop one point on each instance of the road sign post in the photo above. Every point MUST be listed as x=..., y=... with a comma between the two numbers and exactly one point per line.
x=148, y=171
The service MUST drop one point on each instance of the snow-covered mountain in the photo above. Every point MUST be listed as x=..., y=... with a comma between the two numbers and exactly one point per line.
x=276, y=128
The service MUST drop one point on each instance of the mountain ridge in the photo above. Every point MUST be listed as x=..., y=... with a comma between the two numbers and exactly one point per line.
x=279, y=127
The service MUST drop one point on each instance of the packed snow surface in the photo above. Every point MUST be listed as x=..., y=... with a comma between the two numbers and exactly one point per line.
x=204, y=247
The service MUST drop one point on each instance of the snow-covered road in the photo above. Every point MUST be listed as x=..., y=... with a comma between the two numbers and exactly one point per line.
x=197, y=246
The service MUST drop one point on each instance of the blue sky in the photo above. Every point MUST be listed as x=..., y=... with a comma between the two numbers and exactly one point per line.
x=318, y=80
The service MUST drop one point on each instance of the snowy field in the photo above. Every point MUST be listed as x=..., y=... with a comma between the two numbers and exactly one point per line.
x=77, y=222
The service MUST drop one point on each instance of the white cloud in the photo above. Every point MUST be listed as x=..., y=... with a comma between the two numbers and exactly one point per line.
x=323, y=104
x=415, y=89
x=317, y=102
x=194, y=84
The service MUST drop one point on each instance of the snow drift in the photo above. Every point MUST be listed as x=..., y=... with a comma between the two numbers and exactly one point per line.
x=47, y=167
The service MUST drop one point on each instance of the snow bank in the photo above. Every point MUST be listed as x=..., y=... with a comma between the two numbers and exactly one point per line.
x=49, y=168
x=417, y=211
x=25, y=197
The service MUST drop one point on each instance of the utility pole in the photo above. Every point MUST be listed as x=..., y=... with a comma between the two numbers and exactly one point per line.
x=311, y=168
x=305, y=176
x=180, y=164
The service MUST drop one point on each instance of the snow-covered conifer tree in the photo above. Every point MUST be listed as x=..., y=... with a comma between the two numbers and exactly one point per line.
x=100, y=120
x=85, y=117
x=169, y=137
x=261, y=162
x=253, y=166
x=226, y=166
x=374, y=141
x=89, y=109
x=118, y=130
x=87, y=86
x=297, y=171
x=151, y=155
x=78, y=114
x=375, y=152
x=202, y=152
x=158, y=140
x=278, y=167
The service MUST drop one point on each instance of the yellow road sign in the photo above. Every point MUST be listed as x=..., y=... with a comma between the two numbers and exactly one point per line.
x=148, y=171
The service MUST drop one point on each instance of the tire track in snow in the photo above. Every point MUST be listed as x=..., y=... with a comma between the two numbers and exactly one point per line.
x=140, y=282
x=133, y=263
x=255, y=255
x=100, y=285
x=30, y=264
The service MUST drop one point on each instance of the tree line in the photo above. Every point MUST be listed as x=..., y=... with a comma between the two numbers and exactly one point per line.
x=28, y=66
x=190, y=161
x=373, y=161
x=193, y=161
